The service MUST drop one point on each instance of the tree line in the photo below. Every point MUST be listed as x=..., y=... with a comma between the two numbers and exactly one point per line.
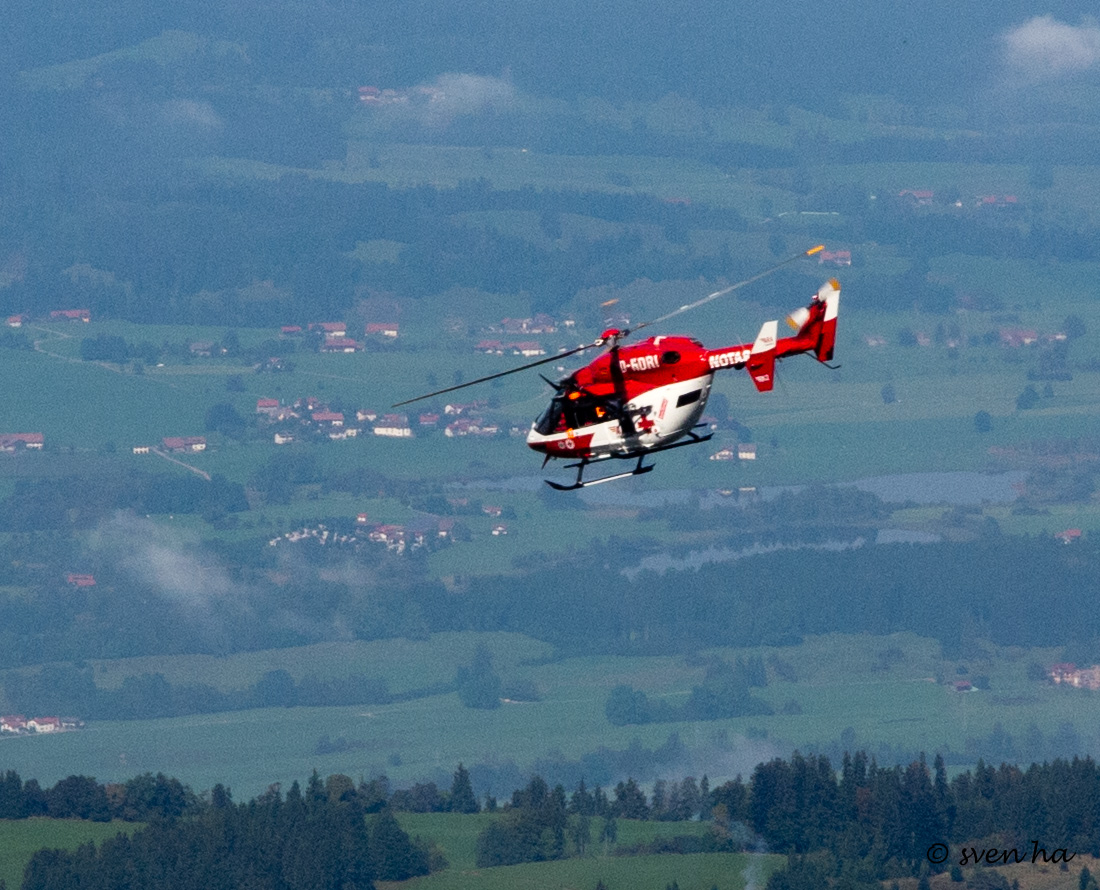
x=317, y=837
x=949, y=591
x=71, y=689
x=860, y=823
x=723, y=693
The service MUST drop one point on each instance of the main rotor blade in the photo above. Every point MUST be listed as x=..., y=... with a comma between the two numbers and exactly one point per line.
x=732, y=287
x=541, y=361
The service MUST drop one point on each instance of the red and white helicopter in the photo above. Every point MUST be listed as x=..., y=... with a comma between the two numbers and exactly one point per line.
x=637, y=400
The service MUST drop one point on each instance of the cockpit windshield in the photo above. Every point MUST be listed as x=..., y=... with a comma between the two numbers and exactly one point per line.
x=574, y=410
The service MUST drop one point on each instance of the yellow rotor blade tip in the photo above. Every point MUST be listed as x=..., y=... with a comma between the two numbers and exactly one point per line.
x=814, y=250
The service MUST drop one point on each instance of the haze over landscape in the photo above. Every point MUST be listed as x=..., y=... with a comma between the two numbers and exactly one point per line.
x=232, y=236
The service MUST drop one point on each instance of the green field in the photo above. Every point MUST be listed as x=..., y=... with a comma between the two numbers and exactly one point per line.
x=456, y=834
x=19, y=839
x=893, y=690
x=696, y=871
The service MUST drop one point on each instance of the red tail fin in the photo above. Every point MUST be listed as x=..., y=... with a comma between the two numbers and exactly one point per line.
x=761, y=364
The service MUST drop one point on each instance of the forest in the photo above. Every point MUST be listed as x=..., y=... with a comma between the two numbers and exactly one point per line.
x=854, y=825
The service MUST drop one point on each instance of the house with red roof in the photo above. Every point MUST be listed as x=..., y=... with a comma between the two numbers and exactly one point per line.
x=331, y=418
x=330, y=328
x=835, y=257
x=395, y=426
x=919, y=197
x=340, y=344
x=83, y=315
x=12, y=441
x=184, y=443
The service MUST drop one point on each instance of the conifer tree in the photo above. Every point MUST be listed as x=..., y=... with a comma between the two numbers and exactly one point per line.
x=462, y=798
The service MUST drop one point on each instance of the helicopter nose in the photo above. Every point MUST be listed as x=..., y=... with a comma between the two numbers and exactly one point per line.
x=536, y=441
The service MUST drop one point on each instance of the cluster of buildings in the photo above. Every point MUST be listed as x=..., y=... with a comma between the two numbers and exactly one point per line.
x=84, y=315
x=744, y=451
x=17, y=724
x=175, y=445
x=334, y=334
x=464, y=420
x=1013, y=338
x=394, y=537
x=376, y=97
x=927, y=197
x=1068, y=674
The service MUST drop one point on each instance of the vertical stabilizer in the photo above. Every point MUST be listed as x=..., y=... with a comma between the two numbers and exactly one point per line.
x=761, y=364
x=829, y=293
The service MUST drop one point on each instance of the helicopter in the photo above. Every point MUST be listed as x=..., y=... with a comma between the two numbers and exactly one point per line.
x=636, y=400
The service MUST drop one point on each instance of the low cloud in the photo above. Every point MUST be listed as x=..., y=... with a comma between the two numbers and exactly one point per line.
x=1043, y=48
x=171, y=563
x=448, y=97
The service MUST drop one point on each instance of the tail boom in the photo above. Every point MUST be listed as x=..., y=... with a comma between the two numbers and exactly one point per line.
x=815, y=327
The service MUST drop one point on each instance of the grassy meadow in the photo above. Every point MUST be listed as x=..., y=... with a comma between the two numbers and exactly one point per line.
x=870, y=690
x=20, y=838
x=694, y=871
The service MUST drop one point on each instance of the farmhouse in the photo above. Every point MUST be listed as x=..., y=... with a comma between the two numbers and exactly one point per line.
x=835, y=257
x=724, y=454
x=184, y=443
x=80, y=580
x=998, y=201
x=340, y=344
x=290, y=330
x=270, y=407
x=1069, y=536
x=470, y=427
x=460, y=408
x=528, y=349
x=141, y=449
x=15, y=321
x=330, y=328
x=12, y=441
x=746, y=451
x=1066, y=674
x=331, y=418
x=381, y=329
x=917, y=197
x=393, y=425
x=1016, y=337
x=83, y=315
x=283, y=438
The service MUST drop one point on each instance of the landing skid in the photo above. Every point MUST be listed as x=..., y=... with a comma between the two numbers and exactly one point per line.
x=580, y=483
x=638, y=470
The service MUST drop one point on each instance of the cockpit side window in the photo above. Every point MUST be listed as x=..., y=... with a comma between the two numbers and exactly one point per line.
x=565, y=413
